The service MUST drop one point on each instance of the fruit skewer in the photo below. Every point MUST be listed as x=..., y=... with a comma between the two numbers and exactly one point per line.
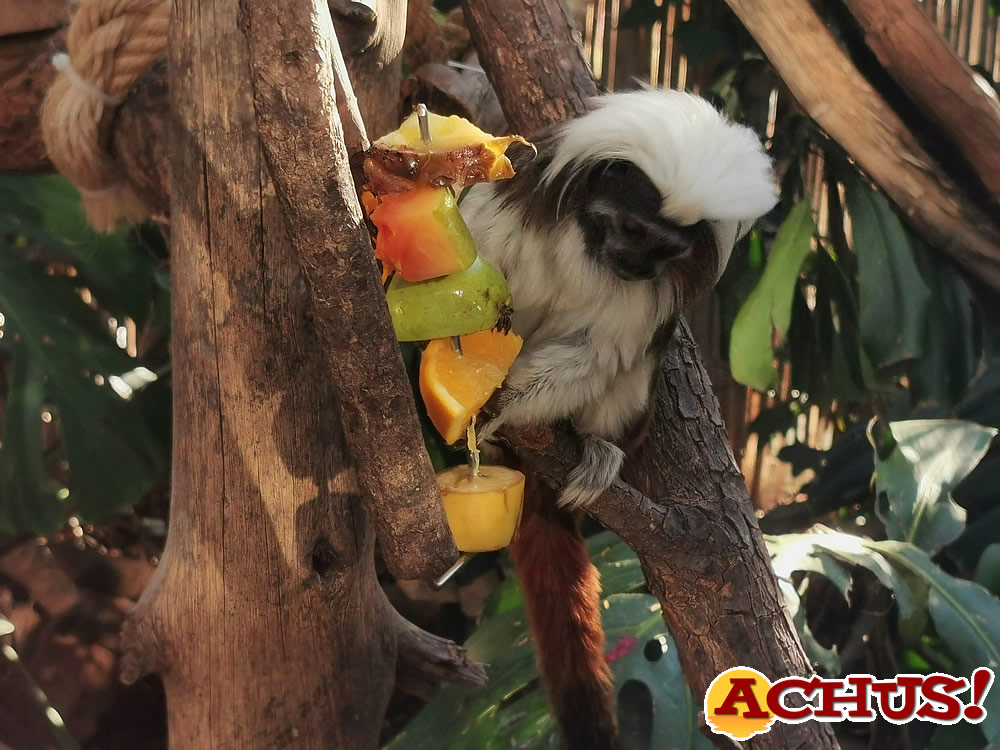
x=425, y=134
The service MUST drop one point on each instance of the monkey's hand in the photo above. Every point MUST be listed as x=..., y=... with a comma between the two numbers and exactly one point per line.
x=551, y=382
x=600, y=463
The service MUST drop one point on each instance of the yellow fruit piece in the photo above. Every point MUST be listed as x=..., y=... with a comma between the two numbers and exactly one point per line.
x=456, y=386
x=483, y=511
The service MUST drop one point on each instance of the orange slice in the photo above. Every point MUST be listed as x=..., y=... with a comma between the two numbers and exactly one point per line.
x=456, y=386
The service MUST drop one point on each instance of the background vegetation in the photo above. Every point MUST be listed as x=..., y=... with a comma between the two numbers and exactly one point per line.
x=889, y=559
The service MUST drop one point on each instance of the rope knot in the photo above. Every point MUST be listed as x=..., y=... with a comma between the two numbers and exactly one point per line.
x=110, y=44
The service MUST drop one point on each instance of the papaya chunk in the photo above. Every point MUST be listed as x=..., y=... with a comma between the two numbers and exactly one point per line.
x=421, y=234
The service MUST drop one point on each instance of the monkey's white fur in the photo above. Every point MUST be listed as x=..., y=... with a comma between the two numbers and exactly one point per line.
x=586, y=331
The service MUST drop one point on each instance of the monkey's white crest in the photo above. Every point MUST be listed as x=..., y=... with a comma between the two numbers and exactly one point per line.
x=705, y=166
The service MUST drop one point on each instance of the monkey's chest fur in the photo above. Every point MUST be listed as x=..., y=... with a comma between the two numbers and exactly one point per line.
x=583, y=327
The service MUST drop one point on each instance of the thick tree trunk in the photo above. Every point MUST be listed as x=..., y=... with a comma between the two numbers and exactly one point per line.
x=687, y=513
x=299, y=78
x=265, y=616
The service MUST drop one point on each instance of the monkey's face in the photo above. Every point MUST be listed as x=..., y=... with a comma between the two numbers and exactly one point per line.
x=625, y=231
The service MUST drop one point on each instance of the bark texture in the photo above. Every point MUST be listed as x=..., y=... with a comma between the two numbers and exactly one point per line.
x=27, y=16
x=685, y=511
x=833, y=92
x=25, y=75
x=265, y=616
x=956, y=98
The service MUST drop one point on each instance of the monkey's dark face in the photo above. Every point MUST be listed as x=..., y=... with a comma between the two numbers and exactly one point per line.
x=619, y=213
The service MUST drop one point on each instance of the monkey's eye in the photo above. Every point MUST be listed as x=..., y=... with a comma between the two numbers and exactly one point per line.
x=632, y=228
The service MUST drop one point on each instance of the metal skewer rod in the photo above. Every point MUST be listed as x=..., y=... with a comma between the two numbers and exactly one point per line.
x=447, y=575
x=425, y=134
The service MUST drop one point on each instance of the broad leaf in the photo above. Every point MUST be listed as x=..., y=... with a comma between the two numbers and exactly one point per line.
x=988, y=569
x=114, y=456
x=893, y=296
x=844, y=548
x=512, y=711
x=953, y=346
x=916, y=479
x=618, y=566
x=116, y=268
x=769, y=307
x=28, y=499
x=965, y=615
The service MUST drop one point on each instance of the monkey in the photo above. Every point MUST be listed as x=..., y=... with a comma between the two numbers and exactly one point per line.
x=623, y=215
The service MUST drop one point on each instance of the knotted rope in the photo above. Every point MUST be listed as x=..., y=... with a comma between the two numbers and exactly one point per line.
x=110, y=43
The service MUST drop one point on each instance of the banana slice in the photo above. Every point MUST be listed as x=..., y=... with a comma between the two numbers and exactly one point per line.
x=483, y=511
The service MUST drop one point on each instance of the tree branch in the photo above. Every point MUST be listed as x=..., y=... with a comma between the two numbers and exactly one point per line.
x=423, y=660
x=958, y=100
x=685, y=509
x=26, y=73
x=833, y=92
x=293, y=54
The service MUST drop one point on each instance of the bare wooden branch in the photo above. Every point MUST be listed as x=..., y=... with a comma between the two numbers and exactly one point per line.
x=931, y=72
x=447, y=91
x=424, y=40
x=833, y=92
x=686, y=511
x=292, y=52
x=424, y=660
x=540, y=94
x=29, y=16
x=26, y=73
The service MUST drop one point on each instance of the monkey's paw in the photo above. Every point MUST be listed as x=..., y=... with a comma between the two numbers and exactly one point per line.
x=599, y=466
x=486, y=431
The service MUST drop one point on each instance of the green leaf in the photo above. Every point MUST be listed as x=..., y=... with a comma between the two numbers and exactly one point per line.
x=769, y=307
x=796, y=553
x=116, y=268
x=988, y=569
x=930, y=458
x=893, y=297
x=511, y=711
x=850, y=550
x=114, y=456
x=28, y=499
x=952, y=348
x=616, y=563
x=965, y=615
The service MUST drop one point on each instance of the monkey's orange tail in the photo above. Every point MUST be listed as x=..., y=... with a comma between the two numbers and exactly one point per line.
x=562, y=596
